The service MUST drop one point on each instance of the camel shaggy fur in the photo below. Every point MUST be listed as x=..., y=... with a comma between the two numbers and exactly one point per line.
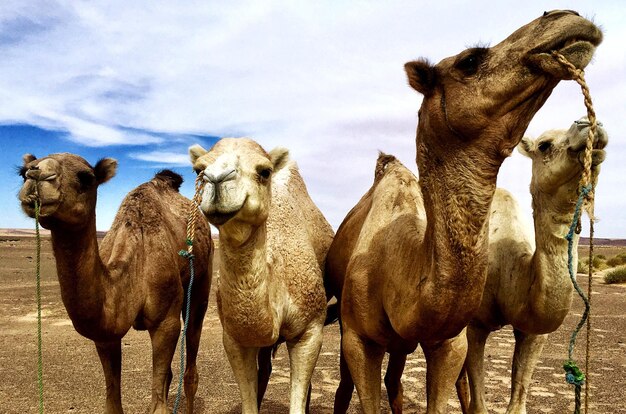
x=528, y=284
x=409, y=262
x=136, y=278
x=273, y=243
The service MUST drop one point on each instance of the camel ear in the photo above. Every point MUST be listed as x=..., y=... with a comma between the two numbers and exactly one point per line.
x=105, y=170
x=28, y=158
x=195, y=152
x=422, y=76
x=279, y=157
x=525, y=146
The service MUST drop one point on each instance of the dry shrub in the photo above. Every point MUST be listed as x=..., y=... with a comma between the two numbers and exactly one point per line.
x=617, y=275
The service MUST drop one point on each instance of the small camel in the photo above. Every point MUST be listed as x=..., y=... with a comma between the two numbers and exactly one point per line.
x=529, y=287
x=136, y=278
x=273, y=244
x=409, y=262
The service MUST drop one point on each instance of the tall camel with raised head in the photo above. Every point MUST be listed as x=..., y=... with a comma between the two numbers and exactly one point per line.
x=136, y=278
x=410, y=269
x=273, y=244
x=528, y=284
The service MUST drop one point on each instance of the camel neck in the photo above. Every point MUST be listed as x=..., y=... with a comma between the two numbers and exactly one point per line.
x=244, y=261
x=80, y=271
x=244, y=302
x=551, y=290
x=457, y=191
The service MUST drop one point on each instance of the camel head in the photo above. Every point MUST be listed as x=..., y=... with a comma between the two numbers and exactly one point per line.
x=66, y=186
x=558, y=159
x=237, y=173
x=485, y=97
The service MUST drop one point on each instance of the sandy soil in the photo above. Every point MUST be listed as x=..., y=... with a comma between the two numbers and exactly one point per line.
x=73, y=381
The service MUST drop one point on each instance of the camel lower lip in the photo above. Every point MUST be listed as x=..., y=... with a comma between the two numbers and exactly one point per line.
x=576, y=47
x=44, y=209
x=218, y=218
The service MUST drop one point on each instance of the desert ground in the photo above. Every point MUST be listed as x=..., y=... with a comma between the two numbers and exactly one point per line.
x=74, y=383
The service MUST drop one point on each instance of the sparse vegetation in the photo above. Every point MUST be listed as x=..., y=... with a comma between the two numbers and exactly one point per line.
x=617, y=275
x=620, y=259
x=599, y=262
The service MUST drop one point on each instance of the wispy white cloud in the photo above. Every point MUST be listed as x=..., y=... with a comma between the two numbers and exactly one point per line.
x=163, y=157
x=322, y=78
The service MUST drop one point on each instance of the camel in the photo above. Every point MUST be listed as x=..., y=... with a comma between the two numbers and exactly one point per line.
x=273, y=244
x=409, y=262
x=529, y=287
x=136, y=278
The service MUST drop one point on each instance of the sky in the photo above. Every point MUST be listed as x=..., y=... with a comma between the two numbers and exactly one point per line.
x=142, y=81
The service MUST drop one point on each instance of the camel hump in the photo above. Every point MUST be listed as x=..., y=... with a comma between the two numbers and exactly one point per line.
x=381, y=164
x=173, y=179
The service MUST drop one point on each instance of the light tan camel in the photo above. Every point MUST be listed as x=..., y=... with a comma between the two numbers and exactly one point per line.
x=273, y=243
x=410, y=264
x=136, y=278
x=529, y=287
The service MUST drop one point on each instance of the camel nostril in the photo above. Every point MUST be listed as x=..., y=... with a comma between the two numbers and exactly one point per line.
x=221, y=177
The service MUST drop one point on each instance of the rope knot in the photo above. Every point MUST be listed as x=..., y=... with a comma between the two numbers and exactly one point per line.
x=573, y=374
x=186, y=254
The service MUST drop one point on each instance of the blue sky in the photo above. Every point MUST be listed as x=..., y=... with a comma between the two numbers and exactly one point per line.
x=142, y=81
x=136, y=165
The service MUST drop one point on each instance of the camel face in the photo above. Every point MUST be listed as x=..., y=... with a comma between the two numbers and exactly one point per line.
x=65, y=184
x=237, y=174
x=558, y=157
x=495, y=91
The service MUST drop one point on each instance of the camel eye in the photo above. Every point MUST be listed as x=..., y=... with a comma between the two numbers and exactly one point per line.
x=470, y=63
x=265, y=173
x=544, y=146
x=86, y=179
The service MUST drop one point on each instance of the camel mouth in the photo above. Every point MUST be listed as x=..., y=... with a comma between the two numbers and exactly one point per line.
x=218, y=218
x=597, y=156
x=578, y=49
x=45, y=208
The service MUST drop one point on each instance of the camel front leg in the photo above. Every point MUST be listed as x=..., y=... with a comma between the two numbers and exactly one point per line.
x=199, y=303
x=474, y=364
x=444, y=361
x=303, y=355
x=110, y=354
x=265, y=370
x=364, y=360
x=243, y=361
x=164, y=339
x=393, y=381
x=528, y=348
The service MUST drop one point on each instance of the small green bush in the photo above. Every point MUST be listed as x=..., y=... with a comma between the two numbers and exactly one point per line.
x=601, y=256
x=599, y=263
x=617, y=275
x=620, y=259
x=582, y=267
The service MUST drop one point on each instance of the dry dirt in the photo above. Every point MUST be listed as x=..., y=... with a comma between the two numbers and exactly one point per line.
x=73, y=381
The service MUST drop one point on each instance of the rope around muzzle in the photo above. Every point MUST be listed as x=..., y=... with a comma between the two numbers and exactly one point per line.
x=573, y=374
x=188, y=254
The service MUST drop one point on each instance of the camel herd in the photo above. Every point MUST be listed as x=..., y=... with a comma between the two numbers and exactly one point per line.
x=438, y=261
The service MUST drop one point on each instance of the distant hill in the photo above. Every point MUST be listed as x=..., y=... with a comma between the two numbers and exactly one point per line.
x=603, y=242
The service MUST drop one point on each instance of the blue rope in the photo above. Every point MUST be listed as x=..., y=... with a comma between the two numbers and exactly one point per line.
x=190, y=257
x=573, y=374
